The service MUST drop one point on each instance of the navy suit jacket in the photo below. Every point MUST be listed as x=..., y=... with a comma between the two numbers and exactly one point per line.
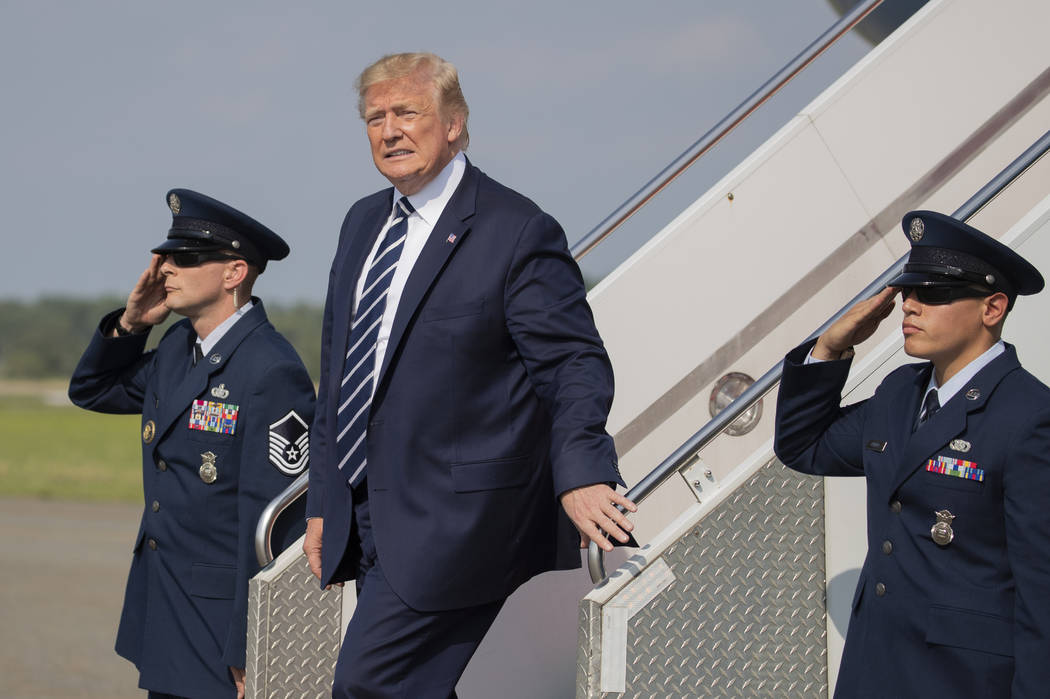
x=185, y=606
x=491, y=401
x=966, y=619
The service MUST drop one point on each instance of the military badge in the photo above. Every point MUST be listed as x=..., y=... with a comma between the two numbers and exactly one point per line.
x=149, y=431
x=290, y=444
x=941, y=532
x=215, y=358
x=916, y=229
x=973, y=394
x=959, y=445
x=958, y=468
x=174, y=204
x=208, y=471
x=209, y=416
x=220, y=392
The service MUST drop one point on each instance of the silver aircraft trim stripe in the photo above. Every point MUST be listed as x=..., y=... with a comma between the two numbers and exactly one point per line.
x=675, y=398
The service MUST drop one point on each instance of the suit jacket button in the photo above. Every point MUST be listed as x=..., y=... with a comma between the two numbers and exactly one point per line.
x=156, y=506
x=895, y=506
x=152, y=543
x=880, y=589
x=887, y=546
x=162, y=465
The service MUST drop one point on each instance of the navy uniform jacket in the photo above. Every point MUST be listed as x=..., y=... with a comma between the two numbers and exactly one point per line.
x=185, y=605
x=492, y=400
x=966, y=619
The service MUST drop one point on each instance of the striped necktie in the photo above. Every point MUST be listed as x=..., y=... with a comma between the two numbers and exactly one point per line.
x=355, y=393
x=929, y=406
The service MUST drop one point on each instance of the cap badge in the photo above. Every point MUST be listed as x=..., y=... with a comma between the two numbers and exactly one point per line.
x=220, y=392
x=916, y=229
x=208, y=472
x=941, y=532
x=149, y=431
x=973, y=394
x=959, y=445
x=174, y=204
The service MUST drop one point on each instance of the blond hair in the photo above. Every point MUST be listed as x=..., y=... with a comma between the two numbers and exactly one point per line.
x=432, y=68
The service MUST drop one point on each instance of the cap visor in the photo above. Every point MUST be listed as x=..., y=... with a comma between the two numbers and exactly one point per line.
x=920, y=279
x=185, y=245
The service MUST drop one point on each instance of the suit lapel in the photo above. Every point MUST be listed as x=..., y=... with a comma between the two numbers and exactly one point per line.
x=950, y=421
x=350, y=264
x=448, y=234
x=197, y=379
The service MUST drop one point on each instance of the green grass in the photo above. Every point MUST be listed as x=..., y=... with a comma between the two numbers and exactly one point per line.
x=61, y=452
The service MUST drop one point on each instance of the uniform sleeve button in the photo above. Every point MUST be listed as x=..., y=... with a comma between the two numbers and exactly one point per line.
x=895, y=506
x=162, y=465
x=155, y=506
x=887, y=547
x=880, y=589
x=152, y=543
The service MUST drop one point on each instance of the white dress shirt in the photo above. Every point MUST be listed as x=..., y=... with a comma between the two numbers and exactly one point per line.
x=962, y=377
x=208, y=343
x=428, y=203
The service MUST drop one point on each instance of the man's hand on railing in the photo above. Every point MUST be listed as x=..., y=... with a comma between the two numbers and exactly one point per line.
x=592, y=508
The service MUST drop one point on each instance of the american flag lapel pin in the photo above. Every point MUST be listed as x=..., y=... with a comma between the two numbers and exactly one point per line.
x=451, y=238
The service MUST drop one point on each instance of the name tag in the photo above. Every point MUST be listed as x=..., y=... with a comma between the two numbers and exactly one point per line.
x=876, y=445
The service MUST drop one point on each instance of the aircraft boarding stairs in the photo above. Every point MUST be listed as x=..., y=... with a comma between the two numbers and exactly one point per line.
x=744, y=585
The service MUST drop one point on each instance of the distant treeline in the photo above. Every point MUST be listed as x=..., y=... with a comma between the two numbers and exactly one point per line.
x=43, y=339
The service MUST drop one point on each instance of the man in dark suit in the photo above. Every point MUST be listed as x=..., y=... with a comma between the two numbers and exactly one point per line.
x=954, y=596
x=225, y=404
x=464, y=392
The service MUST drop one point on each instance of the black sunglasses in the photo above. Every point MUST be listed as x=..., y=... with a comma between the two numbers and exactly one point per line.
x=942, y=295
x=195, y=259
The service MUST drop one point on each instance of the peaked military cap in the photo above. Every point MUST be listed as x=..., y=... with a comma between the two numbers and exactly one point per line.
x=202, y=224
x=947, y=252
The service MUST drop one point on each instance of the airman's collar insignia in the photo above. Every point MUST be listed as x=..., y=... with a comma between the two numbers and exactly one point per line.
x=973, y=394
x=916, y=229
x=215, y=358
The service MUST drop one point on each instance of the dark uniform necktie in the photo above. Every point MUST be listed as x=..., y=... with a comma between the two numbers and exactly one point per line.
x=929, y=406
x=355, y=394
x=198, y=353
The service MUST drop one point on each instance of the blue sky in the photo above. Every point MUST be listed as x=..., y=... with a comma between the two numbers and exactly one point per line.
x=109, y=104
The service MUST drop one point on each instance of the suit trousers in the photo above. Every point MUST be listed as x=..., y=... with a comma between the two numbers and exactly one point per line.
x=391, y=650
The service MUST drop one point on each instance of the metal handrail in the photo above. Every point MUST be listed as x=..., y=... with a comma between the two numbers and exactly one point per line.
x=268, y=518
x=628, y=209
x=710, y=139
x=681, y=456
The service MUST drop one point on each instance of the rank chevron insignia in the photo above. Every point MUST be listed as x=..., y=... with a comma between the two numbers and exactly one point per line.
x=290, y=444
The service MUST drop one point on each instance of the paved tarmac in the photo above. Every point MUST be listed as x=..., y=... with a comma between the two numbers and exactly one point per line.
x=62, y=572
